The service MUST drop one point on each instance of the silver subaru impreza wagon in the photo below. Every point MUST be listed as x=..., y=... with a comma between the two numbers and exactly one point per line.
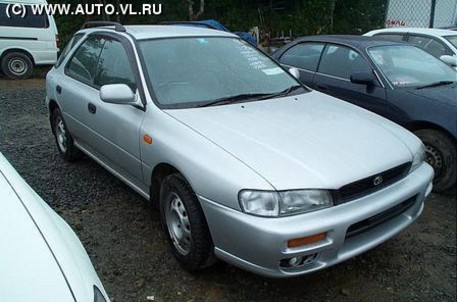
x=244, y=163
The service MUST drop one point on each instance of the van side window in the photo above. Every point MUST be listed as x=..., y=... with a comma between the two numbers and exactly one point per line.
x=69, y=47
x=114, y=66
x=30, y=20
x=83, y=64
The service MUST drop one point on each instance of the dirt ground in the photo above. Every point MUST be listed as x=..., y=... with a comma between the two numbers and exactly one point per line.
x=129, y=250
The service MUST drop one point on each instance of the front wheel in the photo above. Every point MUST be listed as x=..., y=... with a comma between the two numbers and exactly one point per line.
x=17, y=65
x=442, y=156
x=185, y=224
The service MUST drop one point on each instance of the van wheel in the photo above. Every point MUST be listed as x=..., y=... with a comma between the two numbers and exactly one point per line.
x=185, y=224
x=17, y=66
x=441, y=154
x=64, y=141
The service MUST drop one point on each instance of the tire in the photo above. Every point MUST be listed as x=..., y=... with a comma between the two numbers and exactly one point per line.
x=185, y=224
x=64, y=141
x=441, y=154
x=17, y=65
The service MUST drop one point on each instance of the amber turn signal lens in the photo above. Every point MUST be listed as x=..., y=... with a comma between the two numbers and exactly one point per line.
x=147, y=139
x=306, y=240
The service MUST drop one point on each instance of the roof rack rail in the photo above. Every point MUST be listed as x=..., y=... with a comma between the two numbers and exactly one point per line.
x=117, y=26
x=187, y=23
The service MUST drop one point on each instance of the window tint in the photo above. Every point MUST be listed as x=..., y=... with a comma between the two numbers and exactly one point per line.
x=429, y=44
x=114, y=66
x=342, y=61
x=390, y=37
x=83, y=64
x=30, y=20
x=305, y=56
x=67, y=49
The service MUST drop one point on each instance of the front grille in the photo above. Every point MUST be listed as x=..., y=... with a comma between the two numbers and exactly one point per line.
x=368, y=185
x=370, y=223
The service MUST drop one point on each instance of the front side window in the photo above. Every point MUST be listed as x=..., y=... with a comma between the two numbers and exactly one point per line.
x=452, y=40
x=341, y=61
x=83, y=64
x=29, y=20
x=190, y=72
x=409, y=66
x=304, y=56
x=114, y=66
x=431, y=45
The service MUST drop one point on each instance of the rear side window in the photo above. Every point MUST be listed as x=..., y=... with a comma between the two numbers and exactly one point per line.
x=30, y=20
x=390, y=37
x=341, y=61
x=83, y=64
x=304, y=56
x=69, y=47
x=431, y=45
x=114, y=66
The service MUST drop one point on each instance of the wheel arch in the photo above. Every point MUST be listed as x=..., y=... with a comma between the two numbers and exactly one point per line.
x=420, y=125
x=20, y=50
x=52, y=106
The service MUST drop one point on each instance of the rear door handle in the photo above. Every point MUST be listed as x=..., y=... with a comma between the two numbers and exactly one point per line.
x=58, y=89
x=92, y=108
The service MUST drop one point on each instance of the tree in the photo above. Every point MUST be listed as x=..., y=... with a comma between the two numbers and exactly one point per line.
x=194, y=16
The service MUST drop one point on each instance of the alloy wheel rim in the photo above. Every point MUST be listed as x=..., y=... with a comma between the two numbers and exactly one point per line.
x=61, y=135
x=178, y=225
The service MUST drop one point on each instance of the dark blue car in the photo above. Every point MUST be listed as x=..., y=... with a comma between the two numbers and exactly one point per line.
x=398, y=81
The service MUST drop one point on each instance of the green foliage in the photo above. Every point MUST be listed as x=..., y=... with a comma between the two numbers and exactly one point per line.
x=302, y=17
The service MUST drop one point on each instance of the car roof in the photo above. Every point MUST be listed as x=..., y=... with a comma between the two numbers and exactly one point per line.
x=144, y=32
x=416, y=30
x=353, y=40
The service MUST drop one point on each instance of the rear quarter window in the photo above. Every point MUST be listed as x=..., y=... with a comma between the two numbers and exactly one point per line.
x=29, y=21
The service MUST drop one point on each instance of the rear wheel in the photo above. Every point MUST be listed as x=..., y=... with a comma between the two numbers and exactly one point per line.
x=64, y=141
x=17, y=65
x=441, y=154
x=185, y=224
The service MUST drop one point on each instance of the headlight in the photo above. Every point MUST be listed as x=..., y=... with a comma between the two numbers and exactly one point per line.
x=98, y=295
x=418, y=158
x=274, y=204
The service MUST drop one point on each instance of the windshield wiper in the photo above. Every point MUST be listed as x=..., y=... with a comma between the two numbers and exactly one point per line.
x=235, y=99
x=435, y=84
x=285, y=92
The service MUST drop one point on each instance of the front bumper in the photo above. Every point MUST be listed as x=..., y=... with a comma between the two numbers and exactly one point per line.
x=258, y=244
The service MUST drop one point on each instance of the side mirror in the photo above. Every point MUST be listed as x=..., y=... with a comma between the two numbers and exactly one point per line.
x=364, y=78
x=117, y=94
x=449, y=60
x=295, y=72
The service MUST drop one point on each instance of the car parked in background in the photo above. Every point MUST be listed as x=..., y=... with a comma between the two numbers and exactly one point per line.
x=441, y=43
x=41, y=259
x=26, y=41
x=243, y=162
x=398, y=81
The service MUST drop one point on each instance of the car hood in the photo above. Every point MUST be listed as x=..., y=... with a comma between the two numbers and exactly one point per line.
x=306, y=141
x=444, y=94
x=29, y=271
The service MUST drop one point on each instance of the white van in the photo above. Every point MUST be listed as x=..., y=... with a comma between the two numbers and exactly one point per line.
x=26, y=42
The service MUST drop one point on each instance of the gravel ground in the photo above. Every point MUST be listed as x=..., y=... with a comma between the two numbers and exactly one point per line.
x=129, y=251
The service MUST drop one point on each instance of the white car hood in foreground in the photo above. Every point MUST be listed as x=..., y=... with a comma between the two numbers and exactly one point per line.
x=308, y=141
x=41, y=258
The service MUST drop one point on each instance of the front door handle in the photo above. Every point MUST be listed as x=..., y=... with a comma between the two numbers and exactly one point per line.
x=92, y=108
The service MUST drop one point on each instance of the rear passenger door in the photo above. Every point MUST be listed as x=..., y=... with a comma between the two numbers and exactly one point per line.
x=337, y=64
x=304, y=56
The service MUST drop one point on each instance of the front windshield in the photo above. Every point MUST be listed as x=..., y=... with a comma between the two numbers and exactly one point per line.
x=190, y=72
x=409, y=66
x=452, y=40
